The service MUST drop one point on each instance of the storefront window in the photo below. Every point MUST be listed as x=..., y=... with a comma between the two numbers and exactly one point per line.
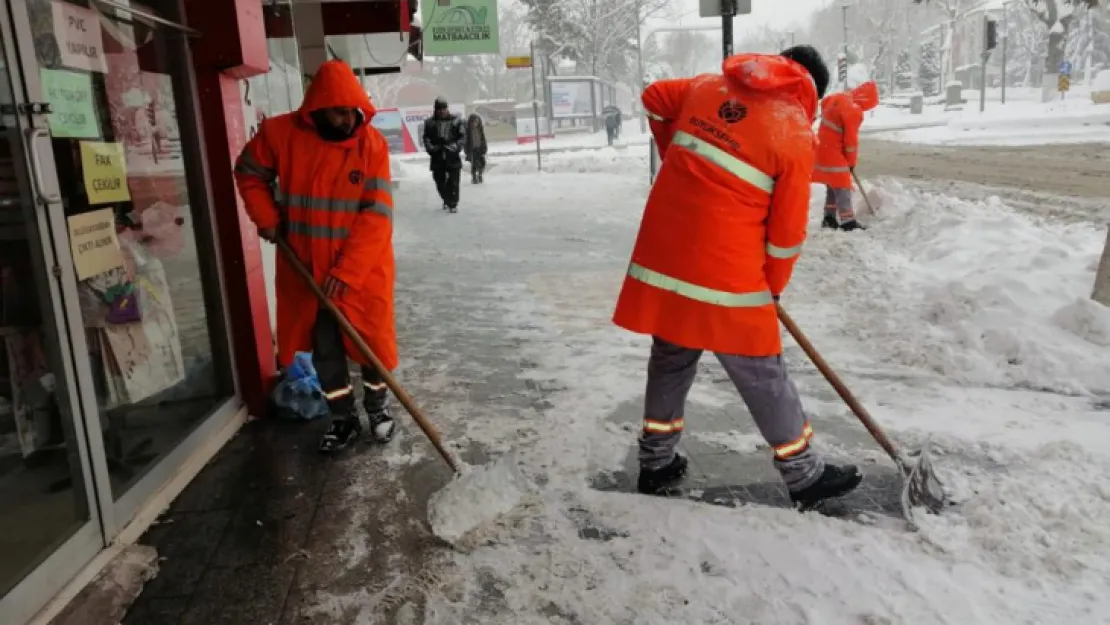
x=42, y=489
x=150, y=305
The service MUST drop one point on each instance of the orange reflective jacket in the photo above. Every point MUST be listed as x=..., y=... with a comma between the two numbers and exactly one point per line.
x=333, y=202
x=838, y=134
x=726, y=217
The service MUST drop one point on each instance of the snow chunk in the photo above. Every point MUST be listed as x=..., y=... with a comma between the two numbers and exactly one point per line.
x=1087, y=319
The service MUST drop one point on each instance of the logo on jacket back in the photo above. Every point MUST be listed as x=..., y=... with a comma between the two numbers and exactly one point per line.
x=732, y=111
x=355, y=177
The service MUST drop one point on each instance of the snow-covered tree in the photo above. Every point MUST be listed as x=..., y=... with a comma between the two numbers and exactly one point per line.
x=689, y=53
x=598, y=35
x=1058, y=16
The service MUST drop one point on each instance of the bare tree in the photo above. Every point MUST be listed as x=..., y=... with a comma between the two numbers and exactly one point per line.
x=1058, y=16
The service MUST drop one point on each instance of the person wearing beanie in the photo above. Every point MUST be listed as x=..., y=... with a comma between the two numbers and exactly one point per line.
x=444, y=140
x=723, y=226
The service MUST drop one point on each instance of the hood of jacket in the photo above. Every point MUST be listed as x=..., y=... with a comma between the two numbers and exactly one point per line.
x=773, y=74
x=335, y=85
x=866, y=96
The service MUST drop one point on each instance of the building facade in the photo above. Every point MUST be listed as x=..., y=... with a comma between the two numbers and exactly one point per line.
x=135, y=335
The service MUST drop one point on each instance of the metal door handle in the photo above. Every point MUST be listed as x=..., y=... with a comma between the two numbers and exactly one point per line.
x=36, y=166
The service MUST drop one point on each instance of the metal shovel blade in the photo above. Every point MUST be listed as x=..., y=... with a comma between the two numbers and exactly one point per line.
x=476, y=498
x=921, y=488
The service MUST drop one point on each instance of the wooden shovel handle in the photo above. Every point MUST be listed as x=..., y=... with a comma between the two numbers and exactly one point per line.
x=387, y=377
x=842, y=390
x=862, y=192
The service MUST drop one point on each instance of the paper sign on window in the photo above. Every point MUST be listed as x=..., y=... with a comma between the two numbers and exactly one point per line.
x=72, y=109
x=77, y=30
x=93, y=241
x=105, y=172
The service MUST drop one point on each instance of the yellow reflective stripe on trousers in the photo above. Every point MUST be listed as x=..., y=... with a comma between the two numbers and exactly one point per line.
x=726, y=161
x=833, y=170
x=783, y=253
x=836, y=127
x=653, y=116
x=699, y=293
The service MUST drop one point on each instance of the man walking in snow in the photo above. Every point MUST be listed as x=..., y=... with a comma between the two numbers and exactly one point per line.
x=444, y=138
x=838, y=151
x=320, y=177
x=722, y=228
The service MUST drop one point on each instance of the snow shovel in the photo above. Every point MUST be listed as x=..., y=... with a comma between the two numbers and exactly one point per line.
x=920, y=486
x=477, y=496
x=863, y=192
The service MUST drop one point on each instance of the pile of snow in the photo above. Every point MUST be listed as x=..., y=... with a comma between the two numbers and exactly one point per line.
x=973, y=292
x=944, y=298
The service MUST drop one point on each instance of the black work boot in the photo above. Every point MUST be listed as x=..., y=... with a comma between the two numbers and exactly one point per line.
x=475, y=178
x=343, y=430
x=830, y=222
x=851, y=225
x=655, y=481
x=834, y=482
x=381, y=421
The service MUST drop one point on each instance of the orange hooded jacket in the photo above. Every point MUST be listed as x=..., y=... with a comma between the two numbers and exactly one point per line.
x=726, y=217
x=333, y=202
x=838, y=134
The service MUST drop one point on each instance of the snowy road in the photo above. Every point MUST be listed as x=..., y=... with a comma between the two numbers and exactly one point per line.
x=966, y=321
x=1081, y=170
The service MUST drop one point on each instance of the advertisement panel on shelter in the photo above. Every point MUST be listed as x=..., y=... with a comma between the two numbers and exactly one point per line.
x=392, y=126
x=570, y=98
x=460, y=27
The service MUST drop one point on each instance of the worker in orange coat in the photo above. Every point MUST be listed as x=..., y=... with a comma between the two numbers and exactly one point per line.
x=723, y=226
x=838, y=151
x=319, y=177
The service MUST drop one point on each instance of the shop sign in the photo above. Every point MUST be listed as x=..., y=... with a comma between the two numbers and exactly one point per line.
x=460, y=27
x=93, y=241
x=518, y=62
x=72, y=109
x=77, y=30
x=105, y=172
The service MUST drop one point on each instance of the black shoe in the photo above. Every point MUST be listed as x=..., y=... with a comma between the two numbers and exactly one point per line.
x=829, y=222
x=382, y=425
x=655, y=481
x=454, y=208
x=834, y=482
x=849, y=226
x=446, y=207
x=342, y=431
x=474, y=179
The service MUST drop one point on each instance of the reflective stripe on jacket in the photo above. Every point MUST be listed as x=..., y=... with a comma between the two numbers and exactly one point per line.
x=333, y=202
x=726, y=217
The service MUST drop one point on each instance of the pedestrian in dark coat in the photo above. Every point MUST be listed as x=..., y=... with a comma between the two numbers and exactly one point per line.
x=444, y=138
x=476, y=147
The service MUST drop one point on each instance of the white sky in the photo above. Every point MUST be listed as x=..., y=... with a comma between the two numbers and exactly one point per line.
x=775, y=13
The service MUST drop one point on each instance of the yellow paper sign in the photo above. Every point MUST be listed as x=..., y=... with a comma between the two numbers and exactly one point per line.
x=105, y=172
x=92, y=238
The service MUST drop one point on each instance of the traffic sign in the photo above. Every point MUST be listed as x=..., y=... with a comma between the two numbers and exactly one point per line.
x=518, y=62
x=712, y=8
x=1063, y=84
x=842, y=68
x=1065, y=68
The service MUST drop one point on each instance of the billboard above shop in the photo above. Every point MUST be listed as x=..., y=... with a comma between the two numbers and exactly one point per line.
x=460, y=27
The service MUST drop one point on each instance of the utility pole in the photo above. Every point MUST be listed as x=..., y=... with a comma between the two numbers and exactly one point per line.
x=844, y=22
x=1005, y=39
x=536, y=107
x=728, y=11
x=640, y=61
x=791, y=39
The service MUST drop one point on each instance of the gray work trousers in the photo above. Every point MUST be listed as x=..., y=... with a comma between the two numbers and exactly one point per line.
x=764, y=385
x=838, y=203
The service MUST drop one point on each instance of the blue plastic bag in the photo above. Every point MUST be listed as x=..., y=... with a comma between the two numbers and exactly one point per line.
x=297, y=395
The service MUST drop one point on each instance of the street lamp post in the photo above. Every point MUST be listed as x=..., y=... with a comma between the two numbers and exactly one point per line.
x=640, y=60
x=844, y=22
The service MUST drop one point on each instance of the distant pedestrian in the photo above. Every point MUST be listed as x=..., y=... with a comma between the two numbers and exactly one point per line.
x=476, y=147
x=444, y=138
x=612, y=123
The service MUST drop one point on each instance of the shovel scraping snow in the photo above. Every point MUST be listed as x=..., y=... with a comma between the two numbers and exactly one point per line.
x=920, y=485
x=476, y=497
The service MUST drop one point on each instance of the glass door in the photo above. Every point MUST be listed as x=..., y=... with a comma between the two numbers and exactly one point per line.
x=49, y=525
x=133, y=236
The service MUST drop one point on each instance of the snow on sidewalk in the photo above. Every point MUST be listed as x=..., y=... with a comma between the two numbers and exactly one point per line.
x=965, y=321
